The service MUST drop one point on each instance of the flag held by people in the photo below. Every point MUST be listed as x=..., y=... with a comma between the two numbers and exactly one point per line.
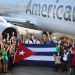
x=21, y=53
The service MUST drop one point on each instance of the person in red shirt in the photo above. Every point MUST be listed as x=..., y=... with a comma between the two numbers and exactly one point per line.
x=73, y=61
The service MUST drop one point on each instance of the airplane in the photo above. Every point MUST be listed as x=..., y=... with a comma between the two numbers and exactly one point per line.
x=5, y=28
x=47, y=15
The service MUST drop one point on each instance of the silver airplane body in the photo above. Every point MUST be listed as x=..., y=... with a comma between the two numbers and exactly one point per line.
x=48, y=15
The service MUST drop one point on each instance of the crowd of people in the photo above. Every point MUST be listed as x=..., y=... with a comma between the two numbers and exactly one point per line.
x=65, y=57
x=9, y=44
x=64, y=60
x=7, y=50
x=45, y=38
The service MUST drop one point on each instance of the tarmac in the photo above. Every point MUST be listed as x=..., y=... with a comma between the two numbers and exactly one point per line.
x=33, y=70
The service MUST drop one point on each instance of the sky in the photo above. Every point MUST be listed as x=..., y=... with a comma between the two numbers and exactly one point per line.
x=16, y=2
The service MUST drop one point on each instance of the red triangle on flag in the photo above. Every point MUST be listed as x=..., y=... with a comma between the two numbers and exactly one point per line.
x=21, y=53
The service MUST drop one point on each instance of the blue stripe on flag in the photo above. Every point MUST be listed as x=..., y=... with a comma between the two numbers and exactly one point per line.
x=44, y=53
x=40, y=63
x=40, y=45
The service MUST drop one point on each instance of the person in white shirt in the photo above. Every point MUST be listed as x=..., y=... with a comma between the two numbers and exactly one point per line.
x=32, y=39
x=28, y=40
x=65, y=60
x=38, y=42
x=35, y=40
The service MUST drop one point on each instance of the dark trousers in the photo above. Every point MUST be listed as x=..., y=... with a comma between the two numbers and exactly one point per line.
x=65, y=66
x=57, y=67
x=10, y=63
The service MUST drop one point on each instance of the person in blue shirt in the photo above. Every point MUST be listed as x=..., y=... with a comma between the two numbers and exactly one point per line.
x=47, y=40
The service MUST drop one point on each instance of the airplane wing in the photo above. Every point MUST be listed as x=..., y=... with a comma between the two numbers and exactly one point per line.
x=24, y=20
x=27, y=23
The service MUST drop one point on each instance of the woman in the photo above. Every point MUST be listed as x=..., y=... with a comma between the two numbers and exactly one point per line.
x=10, y=55
x=5, y=59
x=65, y=60
x=57, y=61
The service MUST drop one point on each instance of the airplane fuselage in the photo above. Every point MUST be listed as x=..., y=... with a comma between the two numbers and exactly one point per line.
x=50, y=15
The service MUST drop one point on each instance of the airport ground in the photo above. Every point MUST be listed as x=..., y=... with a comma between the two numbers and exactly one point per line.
x=32, y=70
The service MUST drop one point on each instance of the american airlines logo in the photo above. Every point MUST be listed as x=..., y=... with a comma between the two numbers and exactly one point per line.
x=55, y=11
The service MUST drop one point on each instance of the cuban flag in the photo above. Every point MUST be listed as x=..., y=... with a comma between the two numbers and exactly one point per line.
x=35, y=53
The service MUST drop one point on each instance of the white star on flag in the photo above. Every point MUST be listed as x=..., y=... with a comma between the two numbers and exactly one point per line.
x=21, y=53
